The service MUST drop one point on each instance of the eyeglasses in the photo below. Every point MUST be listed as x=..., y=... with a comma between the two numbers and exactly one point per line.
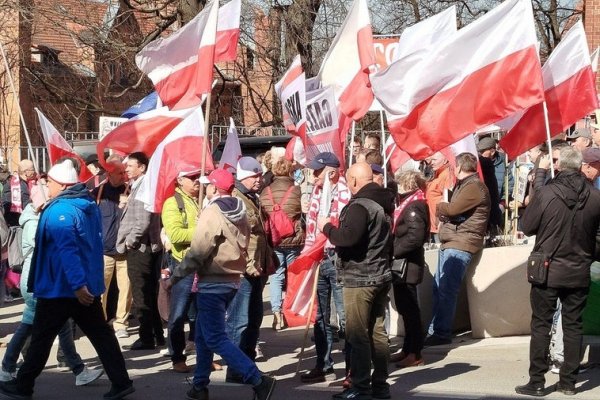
x=193, y=178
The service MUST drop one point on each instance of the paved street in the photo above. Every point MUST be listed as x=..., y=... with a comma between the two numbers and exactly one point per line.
x=469, y=369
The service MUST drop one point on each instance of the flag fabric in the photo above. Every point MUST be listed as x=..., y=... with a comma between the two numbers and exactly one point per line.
x=393, y=155
x=178, y=152
x=58, y=147
x=142, y=133
x=569, y=90
x=228, y=31
x=483, y=73
x=232, y=151
x=348, y=62
x=291, y=90
x=146, y=104
x=181, y=65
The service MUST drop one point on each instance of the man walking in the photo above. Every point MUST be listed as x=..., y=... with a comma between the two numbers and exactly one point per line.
x=218, y=255
x=364, y=246
x=67, y=279
x=564, y=216
x=464, y=223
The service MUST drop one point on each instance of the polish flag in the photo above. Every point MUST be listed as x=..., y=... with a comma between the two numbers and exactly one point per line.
x=181, y=65
x=393, y=155
x=570, y=93
x=594, y=57
x=58, y=147
x=291, y=90
x=464, y=145
x=348, y=62
x=232, y=151
x=178, y=152
x=142, y=133
x=228, y=31
x=483, y=73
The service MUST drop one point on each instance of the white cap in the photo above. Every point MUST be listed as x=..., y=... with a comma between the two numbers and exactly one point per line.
x=64, y=173
x=247, y=167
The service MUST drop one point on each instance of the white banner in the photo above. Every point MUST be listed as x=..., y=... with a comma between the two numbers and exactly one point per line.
x=322, y=123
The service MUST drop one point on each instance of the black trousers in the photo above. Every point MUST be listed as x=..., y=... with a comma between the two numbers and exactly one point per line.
x=50, y=316
x=407, y=305
x=143, y=268
x=543, y=306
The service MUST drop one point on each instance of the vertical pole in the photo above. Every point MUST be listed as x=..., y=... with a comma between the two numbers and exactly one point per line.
x=383, y=141
x=204, y=147
x=548, y=138
x=22, y=118
x=352, y=133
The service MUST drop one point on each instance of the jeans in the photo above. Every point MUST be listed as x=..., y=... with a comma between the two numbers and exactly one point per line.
x=557, y=348
x=285, y=256
x=211, y=338
x=365, y=313
x=143, y=270
x=118, y=265
x=327, y=286
x=452, y=266
x=407, y=304
x=50, y=317
x=543, y=306
x=245, y=314
x=181, y=300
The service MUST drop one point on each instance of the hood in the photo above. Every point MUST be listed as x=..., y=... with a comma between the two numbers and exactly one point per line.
x=78, y=196
x=571, y=188
x=232, y=208
x=385, y=197
x=28, y=214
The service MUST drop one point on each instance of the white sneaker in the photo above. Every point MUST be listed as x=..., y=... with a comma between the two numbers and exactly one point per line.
x=87, y=376
x=121, y=333
x=165, y=353
x=555, y=367
x=6, y=376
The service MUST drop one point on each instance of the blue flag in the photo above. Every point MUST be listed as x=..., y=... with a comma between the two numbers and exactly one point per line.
x=146, y=104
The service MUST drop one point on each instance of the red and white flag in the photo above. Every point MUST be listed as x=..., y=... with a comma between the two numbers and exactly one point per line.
x=181, y=65
x=178, y=152
x=483, y=73
x=570, y=93
x=232, y=150
x=142, y=133
x=348, y=62
x=393, y=155
x=291, y=90
x=58, y=147
x=594, y=57
x=228, y=31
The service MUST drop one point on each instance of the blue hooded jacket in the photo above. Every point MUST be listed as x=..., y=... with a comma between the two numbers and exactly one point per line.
x=68, y=247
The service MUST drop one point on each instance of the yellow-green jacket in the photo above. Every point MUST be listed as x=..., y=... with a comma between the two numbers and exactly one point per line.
x=173, y=221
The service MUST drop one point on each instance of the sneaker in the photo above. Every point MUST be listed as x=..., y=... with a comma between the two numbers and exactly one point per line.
x=166, y=352
x=6, y=376
x=8, y=298
x=259, y=353
x=118, y=392
x=121, y=333
x=531, y=389
x=351, y=394
x=264, y=390
x=318, y=375
x=87, y=376
x=197, y=394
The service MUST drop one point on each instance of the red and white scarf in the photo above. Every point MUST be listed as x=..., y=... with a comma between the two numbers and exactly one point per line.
x=341, y=197
x=16, y=205
x=417, y=195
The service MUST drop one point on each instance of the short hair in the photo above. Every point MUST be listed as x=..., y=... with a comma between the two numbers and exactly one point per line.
x=374, y=157
x=283, y=167
x=466, y=162
x=73, y=160
x=357, y=140
x=114, y=158
x=411, y=180
x=268, y=157
x=140, y=157
x=375, y=137
x=25, y=164
x=569, y=158
x=555, y=143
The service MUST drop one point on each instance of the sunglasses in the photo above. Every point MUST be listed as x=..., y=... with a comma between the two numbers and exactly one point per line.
x=193, y=177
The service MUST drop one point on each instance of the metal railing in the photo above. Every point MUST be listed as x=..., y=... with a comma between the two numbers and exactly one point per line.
x=219, y=132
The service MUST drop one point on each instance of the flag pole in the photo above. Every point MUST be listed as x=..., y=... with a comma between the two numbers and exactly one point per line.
x=352, y=133
x=205, y=141
x=22, y=118
x=383, y=140
x=548, y=138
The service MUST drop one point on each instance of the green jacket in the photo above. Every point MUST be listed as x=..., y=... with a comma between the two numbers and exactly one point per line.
x=173, y=221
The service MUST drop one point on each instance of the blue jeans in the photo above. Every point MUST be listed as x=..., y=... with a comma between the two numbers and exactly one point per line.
x=327, y=286
x=245, y=314
x=211, y=338
x=181, y=300
x=65, y=339
x=452, y=265
x=285, y=256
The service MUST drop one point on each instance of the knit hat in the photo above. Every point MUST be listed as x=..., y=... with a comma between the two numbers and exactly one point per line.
x=247, y=167
x=64, y=173
x=221, y=178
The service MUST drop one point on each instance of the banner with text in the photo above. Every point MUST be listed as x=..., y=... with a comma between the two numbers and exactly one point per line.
x=322, y=124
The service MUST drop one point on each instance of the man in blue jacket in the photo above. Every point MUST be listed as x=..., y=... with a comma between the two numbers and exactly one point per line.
x=67, y=279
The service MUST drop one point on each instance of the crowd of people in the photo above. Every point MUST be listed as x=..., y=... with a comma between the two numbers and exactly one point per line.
x=207, y=263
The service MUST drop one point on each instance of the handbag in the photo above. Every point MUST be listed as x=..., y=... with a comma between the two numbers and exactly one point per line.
x=405, y=272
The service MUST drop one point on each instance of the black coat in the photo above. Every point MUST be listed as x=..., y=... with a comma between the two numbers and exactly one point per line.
x=550, y=213
x=412, y=231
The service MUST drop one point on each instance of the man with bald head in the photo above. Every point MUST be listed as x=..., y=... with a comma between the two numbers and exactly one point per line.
x=363, y=245
x=15, y=195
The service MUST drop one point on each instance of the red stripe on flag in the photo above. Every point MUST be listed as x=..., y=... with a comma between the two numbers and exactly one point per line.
x=567, y=103
x=55, y=152
x=226, y=47
x=448, y=116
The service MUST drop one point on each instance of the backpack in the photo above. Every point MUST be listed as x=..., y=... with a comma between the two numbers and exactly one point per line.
x=16, y=258
x=281, y=226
